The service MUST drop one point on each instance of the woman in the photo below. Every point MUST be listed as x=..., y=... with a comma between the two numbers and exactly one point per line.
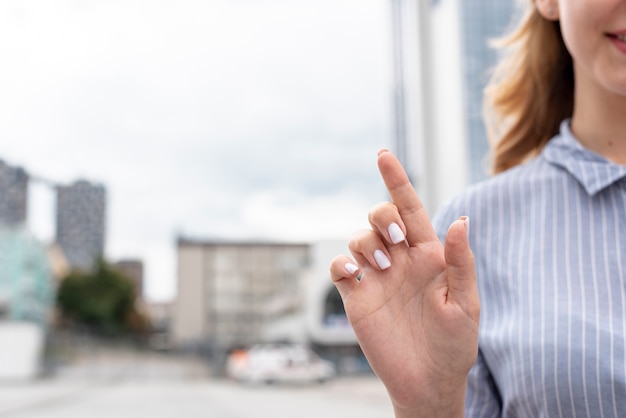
x=548, y=243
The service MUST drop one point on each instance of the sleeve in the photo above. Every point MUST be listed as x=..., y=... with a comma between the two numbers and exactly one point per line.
x=482, y=398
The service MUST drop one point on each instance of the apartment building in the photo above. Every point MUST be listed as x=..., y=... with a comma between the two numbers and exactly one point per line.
x=13, y=194
x=233, y=294
x=81, y=222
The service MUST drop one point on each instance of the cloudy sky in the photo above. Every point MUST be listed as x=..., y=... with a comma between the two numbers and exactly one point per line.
x=228, y=119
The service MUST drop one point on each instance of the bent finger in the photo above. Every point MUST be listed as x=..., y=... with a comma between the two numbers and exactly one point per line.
x=368, y=249
x=385, y=218
x=344, y=273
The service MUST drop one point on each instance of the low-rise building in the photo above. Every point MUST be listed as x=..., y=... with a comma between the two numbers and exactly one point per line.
x=234, y=294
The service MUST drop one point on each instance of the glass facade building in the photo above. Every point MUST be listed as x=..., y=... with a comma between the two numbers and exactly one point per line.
x=481, y=21
x=26, y=285
x=442, y=59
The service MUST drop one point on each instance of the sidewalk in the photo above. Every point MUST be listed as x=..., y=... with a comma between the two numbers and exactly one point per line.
x=127, y=364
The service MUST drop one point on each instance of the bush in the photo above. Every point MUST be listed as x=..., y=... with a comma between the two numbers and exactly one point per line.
x=103, y=300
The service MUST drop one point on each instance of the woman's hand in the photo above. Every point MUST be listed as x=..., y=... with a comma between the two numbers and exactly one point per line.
x=415, y=309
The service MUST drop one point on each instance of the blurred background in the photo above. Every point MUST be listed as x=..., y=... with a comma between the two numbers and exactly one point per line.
x=175, y=177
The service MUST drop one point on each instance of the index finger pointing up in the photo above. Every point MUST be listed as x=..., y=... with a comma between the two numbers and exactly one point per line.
x=403, y=195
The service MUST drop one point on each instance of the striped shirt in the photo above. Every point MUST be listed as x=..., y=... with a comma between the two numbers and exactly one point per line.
x=549, y=239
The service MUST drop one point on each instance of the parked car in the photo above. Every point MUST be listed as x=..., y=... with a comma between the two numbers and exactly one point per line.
x=272, y=363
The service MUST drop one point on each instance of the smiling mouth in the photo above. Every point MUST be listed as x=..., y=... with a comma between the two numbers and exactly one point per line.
x=620, y=37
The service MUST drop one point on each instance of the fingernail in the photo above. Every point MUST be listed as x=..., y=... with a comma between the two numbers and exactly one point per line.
x=351, y=268
x=382, y=260
x=466, y=222
x=395, y=233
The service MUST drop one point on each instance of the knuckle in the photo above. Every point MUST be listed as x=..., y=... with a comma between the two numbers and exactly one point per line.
x=336, y=262
x=381, y=211
x=359, y=240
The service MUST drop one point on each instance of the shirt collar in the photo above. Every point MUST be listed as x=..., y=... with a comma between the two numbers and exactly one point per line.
x=593, y=171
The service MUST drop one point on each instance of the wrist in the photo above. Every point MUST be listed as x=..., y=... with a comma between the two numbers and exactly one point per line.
x=449, y=411
x=447, y=402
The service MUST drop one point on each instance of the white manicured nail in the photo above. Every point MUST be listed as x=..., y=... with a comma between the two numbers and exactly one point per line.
x=395, y=233
x=382, y=260
x=351, y=268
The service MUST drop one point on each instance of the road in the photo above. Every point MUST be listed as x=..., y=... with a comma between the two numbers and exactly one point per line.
x=165, y=389
x=345, y=397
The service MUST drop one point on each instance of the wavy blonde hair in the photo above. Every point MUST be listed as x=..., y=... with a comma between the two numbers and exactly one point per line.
x=530, y=92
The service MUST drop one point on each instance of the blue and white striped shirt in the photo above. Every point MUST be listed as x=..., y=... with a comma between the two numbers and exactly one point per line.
x=549, y=239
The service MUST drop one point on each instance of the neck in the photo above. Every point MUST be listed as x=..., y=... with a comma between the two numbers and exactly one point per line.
x=598, y=121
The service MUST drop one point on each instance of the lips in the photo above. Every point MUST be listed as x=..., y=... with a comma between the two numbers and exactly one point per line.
x=618, y=39
x=619, y=36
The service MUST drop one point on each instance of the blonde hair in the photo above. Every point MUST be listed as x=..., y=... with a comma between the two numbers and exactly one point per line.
x=530, y=92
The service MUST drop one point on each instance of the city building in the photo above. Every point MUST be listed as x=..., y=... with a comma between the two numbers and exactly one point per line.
x=133, y=270
x=58, y=264
x=27, y=288
x=327, y=327
x=27, y=296
x=481, y=22
x=235, y=294
x=81, y=223
x=442, y=61
x=229, y=292
x=13, y=194
x=160, y=316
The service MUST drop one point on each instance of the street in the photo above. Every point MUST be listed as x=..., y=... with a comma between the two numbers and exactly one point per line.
x=162, y=388
x=362, y=397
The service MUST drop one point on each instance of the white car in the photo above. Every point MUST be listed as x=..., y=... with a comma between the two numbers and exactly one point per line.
x=279, y=363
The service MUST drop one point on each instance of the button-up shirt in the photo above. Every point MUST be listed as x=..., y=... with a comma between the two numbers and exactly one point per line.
x=549, y=240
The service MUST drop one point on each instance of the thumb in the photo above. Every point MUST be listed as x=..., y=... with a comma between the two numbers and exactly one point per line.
x=460, y=265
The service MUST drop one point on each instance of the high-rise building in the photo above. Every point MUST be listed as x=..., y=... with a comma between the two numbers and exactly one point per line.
x=481, y=22
x=13, y=194
x=81, y=223
x=442, y=62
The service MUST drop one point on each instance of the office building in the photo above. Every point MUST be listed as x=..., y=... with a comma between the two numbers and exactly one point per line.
x=81, y=223
x=442, y=61
x=234, y=294
x=26, y=282
x=13, y=195
x=230, y=292
x=481, y=22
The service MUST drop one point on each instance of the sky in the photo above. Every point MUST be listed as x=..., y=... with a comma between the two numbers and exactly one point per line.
x=209, y=119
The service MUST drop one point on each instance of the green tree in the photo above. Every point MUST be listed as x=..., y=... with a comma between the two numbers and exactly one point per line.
x=103, y=299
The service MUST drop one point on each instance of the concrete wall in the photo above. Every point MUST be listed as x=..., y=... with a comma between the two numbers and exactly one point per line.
x=189, y=316
x=21, y=348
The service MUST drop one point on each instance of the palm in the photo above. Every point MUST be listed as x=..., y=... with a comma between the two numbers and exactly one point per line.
x=405, y=324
